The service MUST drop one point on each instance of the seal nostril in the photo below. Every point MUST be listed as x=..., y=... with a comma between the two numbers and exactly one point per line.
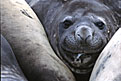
x=79, y=38
x=89, y=36
x=78, y=34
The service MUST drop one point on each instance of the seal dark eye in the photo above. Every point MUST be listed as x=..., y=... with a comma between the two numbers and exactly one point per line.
x=100, y=25
x=67, y=23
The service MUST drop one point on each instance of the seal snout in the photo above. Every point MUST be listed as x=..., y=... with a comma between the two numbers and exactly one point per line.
x=82, y=33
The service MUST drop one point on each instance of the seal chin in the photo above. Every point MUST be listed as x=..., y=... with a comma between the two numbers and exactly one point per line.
x=81, y=71
x=80, y=63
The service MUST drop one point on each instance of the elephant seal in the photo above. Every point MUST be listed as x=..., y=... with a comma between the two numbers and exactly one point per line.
x=108, y=64
x=78, y=30
x=10, y=70
x=28, y=40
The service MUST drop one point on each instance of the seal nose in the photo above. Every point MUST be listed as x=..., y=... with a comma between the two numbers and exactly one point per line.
x=83, y=33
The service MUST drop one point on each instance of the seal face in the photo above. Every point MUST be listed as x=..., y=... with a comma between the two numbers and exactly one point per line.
x=82, y=40
x=78, y=30
x=84, y=33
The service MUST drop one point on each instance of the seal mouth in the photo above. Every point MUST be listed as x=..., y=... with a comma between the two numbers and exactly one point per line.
x=81, y=62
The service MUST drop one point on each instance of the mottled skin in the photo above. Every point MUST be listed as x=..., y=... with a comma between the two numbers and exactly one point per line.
x=78, y=30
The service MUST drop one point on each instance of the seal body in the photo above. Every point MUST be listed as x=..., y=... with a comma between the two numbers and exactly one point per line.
x=108, y=64
x=28, y=40
x=10, y=70
x=78, y=30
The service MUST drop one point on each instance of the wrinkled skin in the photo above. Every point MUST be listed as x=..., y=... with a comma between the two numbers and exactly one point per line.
x=78, y=30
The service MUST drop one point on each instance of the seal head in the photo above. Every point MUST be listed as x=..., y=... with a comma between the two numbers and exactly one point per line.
x=83, y=32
